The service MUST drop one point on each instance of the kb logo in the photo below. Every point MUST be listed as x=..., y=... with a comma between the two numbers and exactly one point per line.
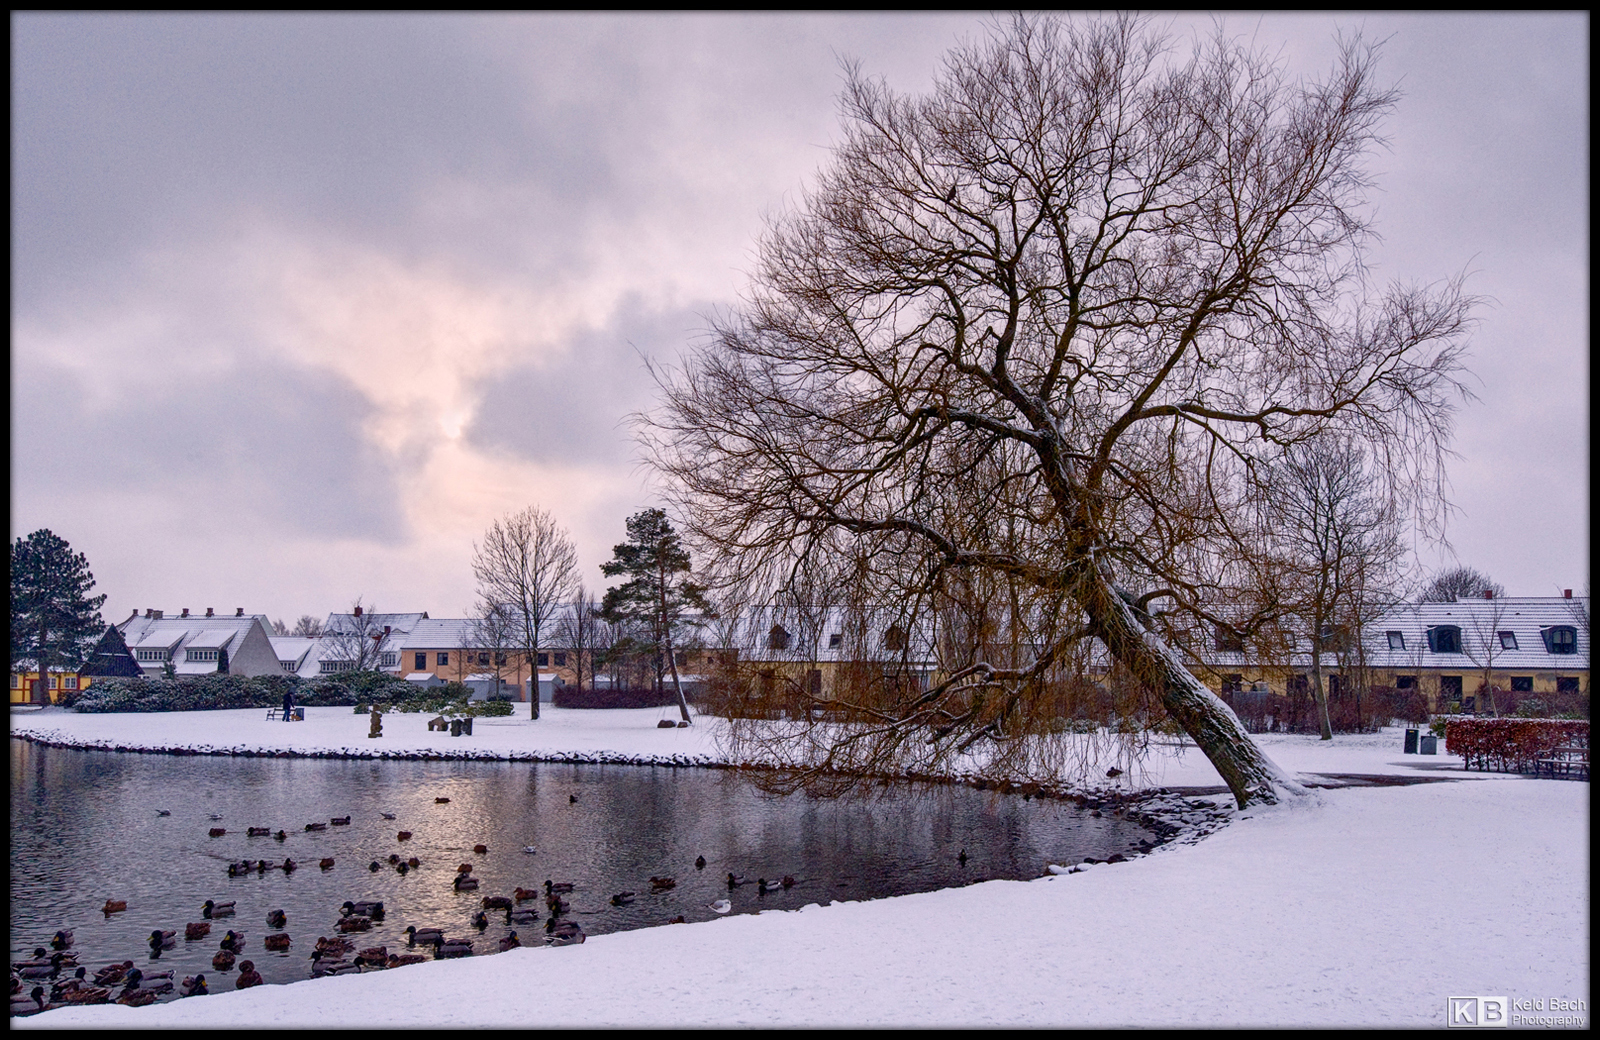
x=1479, y=1012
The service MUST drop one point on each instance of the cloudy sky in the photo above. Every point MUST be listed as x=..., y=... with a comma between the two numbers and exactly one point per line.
x=301, y=303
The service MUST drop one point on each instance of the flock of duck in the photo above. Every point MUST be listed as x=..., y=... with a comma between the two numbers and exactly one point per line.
x=70, y=984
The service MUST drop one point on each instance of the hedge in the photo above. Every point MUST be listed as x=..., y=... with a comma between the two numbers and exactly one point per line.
x=217, y=692
x=623, y=697
x=1512, y=745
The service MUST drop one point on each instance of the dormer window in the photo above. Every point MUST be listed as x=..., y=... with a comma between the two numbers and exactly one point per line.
x=778, y=638
x=1229, y=641
x=158, y=654
x=835, y=640
x=1560, y=639
x=1397, y=640
x=200, y=655
x=1444, y=639
x=1508, y=640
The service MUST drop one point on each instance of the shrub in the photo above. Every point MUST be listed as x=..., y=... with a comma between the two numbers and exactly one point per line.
x=217, y=692
x=620, y=697
x=1511, y=745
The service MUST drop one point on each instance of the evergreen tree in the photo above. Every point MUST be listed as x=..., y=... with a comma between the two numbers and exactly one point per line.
x=54, y=620
x=658, y=593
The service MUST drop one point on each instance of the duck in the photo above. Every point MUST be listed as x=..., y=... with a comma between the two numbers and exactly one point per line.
x=84, y=995
x=222, y=960
x=258, y=832
x=556, y=905
x=530, y=850
x=441, y=801
x=465, y=883
x=355, y=923
x=403, y=836
x=196, y=930
x=248, y=976
x=326, y=863
x=525, y=894
x=114, y=906
x=340, y=821
x=661, y=884
x=281, y=836
x=571, y=798
x=734, y=880
x=788, y=881
x=497, y=902
x=215, y=909
x=374, y=866
x=480, y=850
x=425, y=936
x=622, y=899
x=453, y=948
x=463, y=868
x=510, y=942
x=50, y=967
x=152, y=984
x=289, y=865
x=400, y=960
x=564, y=933
x=413, y=863
x=337, y=944
x=32, y=1004
x=62, y=940
x=721, y=906
x=524, y=916
x=768, y=886
x=402, y=869
x=163, y=812
x=262, y=866
x=112, y=974
x=316, y=826
x=377, y=956
x=239, y=869
x=557, y=886
x=387, y=815
x=480, y=920
x=394, y=857
x=680, y=919
x=137, y=997
x=162, y=940
x=194, y=986
x=277, y=919
x=214, y=817
x=233, y=941
x=699, y=863
x=217, y=832
x=277, y=941
x=962, y=859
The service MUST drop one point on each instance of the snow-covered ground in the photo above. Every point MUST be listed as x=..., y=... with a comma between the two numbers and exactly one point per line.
x=1354, y=906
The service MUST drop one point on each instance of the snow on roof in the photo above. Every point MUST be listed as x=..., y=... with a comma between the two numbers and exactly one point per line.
x=212, y=639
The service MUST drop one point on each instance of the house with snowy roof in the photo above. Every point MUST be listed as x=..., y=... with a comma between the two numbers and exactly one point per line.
x=191, y=644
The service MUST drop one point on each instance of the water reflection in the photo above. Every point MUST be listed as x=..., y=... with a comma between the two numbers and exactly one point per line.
x=85, y=828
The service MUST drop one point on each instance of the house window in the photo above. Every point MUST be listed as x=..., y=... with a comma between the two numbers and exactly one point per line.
x=561, y=660
x=1228, y=640
x=895, y=638
x=483, y=658
x=1397, y=640
x=500, y=659
x=388, y=659
x=1522, y=684
x=70, y=682
x=336, y=666
x=814, y=682
x=16, y=681
x=287, y=666
x=1405, y=682
x=1560, y=639
x=443, y=658
x=835, y=640
x=778, y=638
x=152, y=655
x=52, y=682
x=544, y=660
x=1444, y=639
x=1335, y=639
x=1232, y=684
x=1567, y=684
x=1450, y=688
x=420, y=661
x=1334, y=686
x=1508, y=640
x=201, y=655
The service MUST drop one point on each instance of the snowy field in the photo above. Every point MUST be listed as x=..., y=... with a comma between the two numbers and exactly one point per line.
x=1357, y=906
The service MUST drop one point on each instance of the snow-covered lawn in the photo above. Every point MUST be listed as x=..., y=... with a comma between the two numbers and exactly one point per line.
x=1356, y=906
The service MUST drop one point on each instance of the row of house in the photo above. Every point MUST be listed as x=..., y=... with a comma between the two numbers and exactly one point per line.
x=1451, y=652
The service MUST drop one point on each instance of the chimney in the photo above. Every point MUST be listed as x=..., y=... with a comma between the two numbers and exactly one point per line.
x=1566, y=593
x=358, y=612
x=159, y=613
x=149, y=612
x=185, y=611
x=239, y=612
x=1488, y=594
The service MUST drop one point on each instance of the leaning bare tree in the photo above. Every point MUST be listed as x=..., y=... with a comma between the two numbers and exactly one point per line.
x=527, y=566
x=1111, y=282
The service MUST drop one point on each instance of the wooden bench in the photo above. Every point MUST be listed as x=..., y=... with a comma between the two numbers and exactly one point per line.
x=274, y=714
x=1566, y=763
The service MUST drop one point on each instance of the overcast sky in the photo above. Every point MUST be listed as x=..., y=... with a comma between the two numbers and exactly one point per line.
x=302, y=303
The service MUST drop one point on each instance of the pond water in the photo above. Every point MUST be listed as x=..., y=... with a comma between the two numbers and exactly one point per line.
x=85, y=828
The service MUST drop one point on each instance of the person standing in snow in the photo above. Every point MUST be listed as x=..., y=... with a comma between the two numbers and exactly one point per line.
x=288, y=704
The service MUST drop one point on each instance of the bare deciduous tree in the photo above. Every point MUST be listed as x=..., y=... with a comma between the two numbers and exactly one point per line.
x=1459, y=583
x=307, y=627
x=359, y=638
x=527, y=566
x=1098, y=286
x=586, y=633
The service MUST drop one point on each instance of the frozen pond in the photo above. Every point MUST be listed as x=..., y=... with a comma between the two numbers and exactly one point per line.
x=85, y=828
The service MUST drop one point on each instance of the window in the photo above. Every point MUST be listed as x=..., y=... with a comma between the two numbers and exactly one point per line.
x=1560, y=639
x=1405, y=682
x=287, y=666
x=1232, y=684
x=778, y=638
x=1508, y=640
x=443, y=658
x=201, y=655
x=388, y=659
x=1567, y=684
x=151, y=655
x=52, y=682
x=544, y=660
x=835, y=640
x=420, y=661
x=1228, y=640
x=1522, y=684
x=895, y=638
x=16, y=681
x=1334, y=685
x=500, y=659
x=336, y=666
x=1450, y=688
x=483, y=658
x=1335, y=639
x=1397, y=640
x=1444, y=639
x=561, y=660
x=814, y=682
x=69, y=682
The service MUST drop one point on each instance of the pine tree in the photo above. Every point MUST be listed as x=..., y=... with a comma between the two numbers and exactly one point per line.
x=54, y=620
x=658, y=593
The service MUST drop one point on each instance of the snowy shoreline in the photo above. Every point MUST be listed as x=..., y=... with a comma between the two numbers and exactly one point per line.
x=1335, y=909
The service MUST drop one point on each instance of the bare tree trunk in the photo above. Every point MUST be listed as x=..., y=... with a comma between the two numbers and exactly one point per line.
x=1318, y=693
x=1250, y=775
x=677, y=683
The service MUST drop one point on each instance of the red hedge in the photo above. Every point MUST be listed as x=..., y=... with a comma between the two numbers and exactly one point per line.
x=1512, y=745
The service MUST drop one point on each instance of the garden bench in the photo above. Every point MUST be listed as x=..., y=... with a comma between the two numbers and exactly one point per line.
x=1569, y=763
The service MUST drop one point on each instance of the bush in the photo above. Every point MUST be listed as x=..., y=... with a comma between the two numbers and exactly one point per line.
x=1511, y=745
x=219, y=692
x=622, y=697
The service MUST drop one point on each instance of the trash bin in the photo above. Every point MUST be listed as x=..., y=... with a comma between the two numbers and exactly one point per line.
x=299, y=714
x=1429, y=745
x=1411, y=741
